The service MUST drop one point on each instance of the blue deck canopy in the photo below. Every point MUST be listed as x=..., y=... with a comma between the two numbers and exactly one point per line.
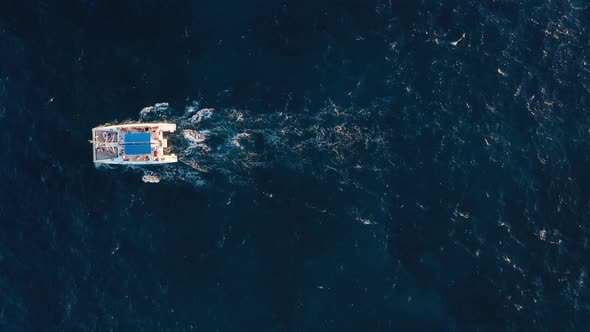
x=138, y=149
x=137, y=143
x=137, y=138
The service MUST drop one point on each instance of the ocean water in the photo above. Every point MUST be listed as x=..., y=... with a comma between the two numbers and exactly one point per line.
x=359, y=165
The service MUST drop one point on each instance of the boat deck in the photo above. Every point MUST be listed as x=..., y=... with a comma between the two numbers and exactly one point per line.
x=132, y=144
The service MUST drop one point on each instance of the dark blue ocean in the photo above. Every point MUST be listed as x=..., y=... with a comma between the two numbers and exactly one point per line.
x=353, y=165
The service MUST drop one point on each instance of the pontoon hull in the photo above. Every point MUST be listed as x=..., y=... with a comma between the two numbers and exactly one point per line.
x=132, y=144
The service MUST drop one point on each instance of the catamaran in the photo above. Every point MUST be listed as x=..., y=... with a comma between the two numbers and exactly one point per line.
x=132, y=144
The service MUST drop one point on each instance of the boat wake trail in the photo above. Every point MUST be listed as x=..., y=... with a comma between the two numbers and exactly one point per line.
x=333, y=144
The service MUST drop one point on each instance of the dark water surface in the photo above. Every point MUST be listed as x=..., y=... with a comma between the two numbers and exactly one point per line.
x=369, y=169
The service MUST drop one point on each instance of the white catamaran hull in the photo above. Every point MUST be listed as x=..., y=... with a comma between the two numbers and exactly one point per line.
x=132, y=144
